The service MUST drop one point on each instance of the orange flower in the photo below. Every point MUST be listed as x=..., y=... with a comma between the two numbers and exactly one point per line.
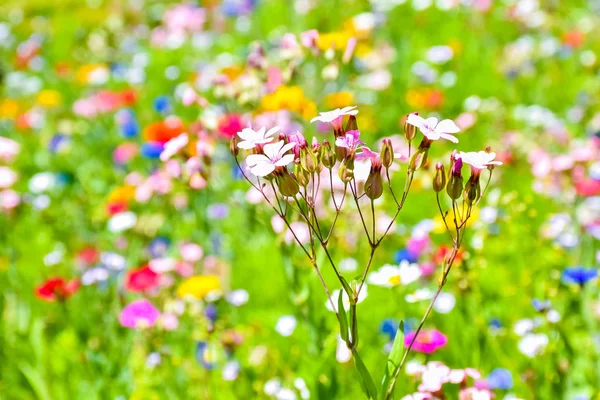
x=164, y=131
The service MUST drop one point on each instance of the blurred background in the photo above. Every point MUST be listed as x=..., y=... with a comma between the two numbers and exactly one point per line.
x=92, y=221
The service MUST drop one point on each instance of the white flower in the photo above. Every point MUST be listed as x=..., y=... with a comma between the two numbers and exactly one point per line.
x=444, y=303
x=42, y=182
x=342, y=353
x=345, y=300
x=160, y=265
x=274, y=156
x=286, y=325
x=173, y=146
x=330, y=116
x=434, y=130
x=7, y=177
x=391, y=275
x=479, y=159
x=238, y=297
x=533, y=344
x=122, y=221
x=251, y=137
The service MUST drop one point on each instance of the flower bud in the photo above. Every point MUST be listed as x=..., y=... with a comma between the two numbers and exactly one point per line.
x=410, y=131
x=387, y=153
x=346, y=170
x=472, y=191
x=351, y=125
x=308, y=160
x=233, y=146
x=327, y=155
x=287, y=184
x=374, y=183
x=302, y=175
x=439, y=181
x=455, y=183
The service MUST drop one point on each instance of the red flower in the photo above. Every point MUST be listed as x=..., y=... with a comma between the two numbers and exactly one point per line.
x=88, y=256
x=230, y=125
x=141, y=279
x=57, y=289
x=441, y=254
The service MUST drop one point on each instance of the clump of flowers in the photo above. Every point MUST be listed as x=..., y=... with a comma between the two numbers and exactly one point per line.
x=297, y=180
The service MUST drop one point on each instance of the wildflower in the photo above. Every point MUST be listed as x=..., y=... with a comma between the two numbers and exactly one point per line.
x=390, y=275
x=434, y=130
x=428, y=341
x=351, y=142
x=532, y=344
x=500, y=378
x=251, y=138
x=238, y=297
x=286, y=325
x=139, y=314
x=274, y=156
x=173, y=146
x=579, y=275
x=57, y=289
x=191, y=252
x=206, y=355
x=199, y=286
x=335, y=117
x=479, y=160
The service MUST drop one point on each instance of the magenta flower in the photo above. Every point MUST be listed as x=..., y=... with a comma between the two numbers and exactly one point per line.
x=427, y=342
x=434, y=130
x=366, y=153
x=350, y=141
x=139, y=314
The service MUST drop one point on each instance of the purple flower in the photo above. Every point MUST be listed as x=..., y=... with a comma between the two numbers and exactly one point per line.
x=349, y=141
x=139, y=314
x=500, y=378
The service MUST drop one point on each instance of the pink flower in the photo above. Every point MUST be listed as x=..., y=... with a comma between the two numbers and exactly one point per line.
x=251, y=138
x=191, y=252
x=139, y=314
x=8, y=149
x=309, y=38
x=274, y=156
x=427, y=342
x=434, y=130
x=351, y=142
x=173, y=146
x=7, y=177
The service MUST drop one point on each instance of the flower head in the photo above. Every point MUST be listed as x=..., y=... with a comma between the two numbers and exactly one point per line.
x=335, y=115
x=391, y=275
x=173, y=146
x=427, y=341
x=434, y=130
x=274, y=156
x=140, y=313
x=250, y=137
x=579, y=275
x=141, y=279
x=351, y=141
x=199, y=286
x=56, y=289
x=479, y=160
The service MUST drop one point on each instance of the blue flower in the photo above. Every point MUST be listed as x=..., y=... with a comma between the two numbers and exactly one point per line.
x=495, y=323
x=579, y=275
x=152, y=149
x=130, y=128
x=211, y=312
x=389, y=327
x=404, y=254
x=58, y=142
x=500, y=378
x=162, y=104
x=540, y=305
x=205, y=356
x=158, y=247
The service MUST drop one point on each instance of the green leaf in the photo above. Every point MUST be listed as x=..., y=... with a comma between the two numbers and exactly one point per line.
x=393, y=361
x=342, y=317
x=346, y=287
x=36, y=380
x=366, y=382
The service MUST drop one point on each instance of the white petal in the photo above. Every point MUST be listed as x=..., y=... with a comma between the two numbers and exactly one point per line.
x=254, y=159
x=272, y=131
x=246, y=145
x=285, y=160
x=447, y=126
x=449, y=137
x=415, y=120
x=262, y=169
x=431, y=122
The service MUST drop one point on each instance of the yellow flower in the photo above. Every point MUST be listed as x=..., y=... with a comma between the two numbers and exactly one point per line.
x=9, y=108
x=440, y=228
x=122, y=194
x=232, y=72
x=198, y=286
x=85, y=73
x=49, y=98
x=335, y=40
x=339, y=100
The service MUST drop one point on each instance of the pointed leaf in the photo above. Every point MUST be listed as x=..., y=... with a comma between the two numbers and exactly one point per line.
x=366, y=382
x=394, y=358
x=342, y=317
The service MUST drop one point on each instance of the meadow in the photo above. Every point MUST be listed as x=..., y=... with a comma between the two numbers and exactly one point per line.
x=272, y=199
